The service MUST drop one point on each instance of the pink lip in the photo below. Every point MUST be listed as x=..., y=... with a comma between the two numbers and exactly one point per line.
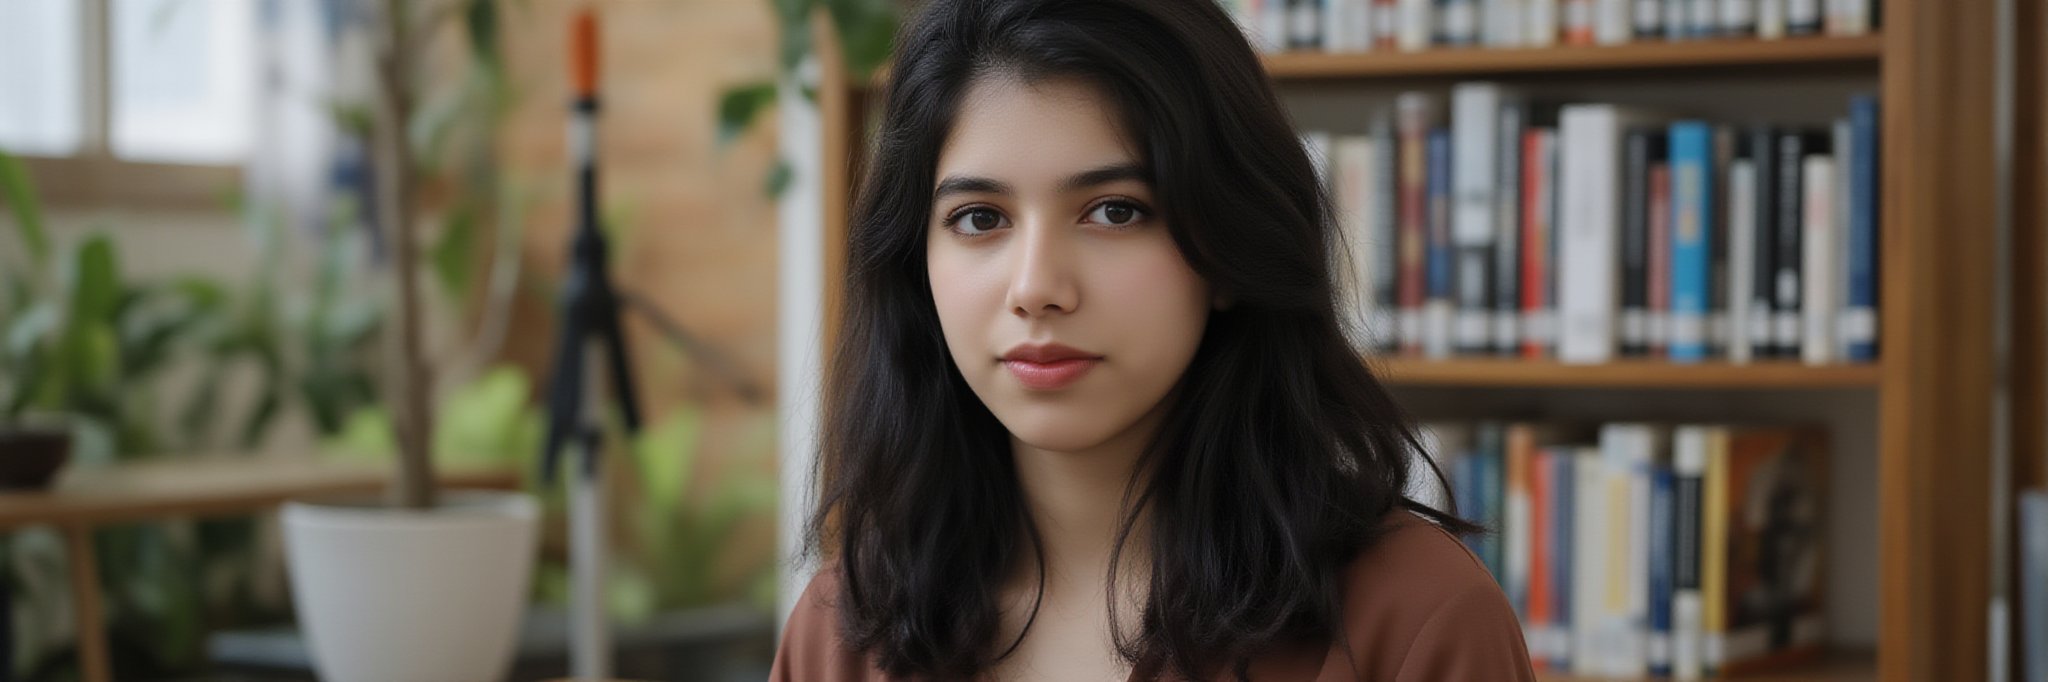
x=1046, y=376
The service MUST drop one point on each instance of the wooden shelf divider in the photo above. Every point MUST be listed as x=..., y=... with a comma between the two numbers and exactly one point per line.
x=1512, y=372
x=1651, y=56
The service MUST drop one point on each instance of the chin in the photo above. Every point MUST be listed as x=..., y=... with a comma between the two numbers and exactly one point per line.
x=1060, y=429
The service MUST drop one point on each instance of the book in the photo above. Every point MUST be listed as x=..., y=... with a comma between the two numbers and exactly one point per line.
x=1577, y=23
x=1692, y=221
x=1438, y=307
x=1648, y=20
x=1787, y=308
x=1353, y=164
x=1737, y=18
x=1642, y=150
x=1772, y=558
x=1763, y=308
x=1858, y=326
x=1590, y=158
x=1817, y=341
x=1743, y=340
x=1541, y=25
x=1457, y=23
x=1477, y=156
x=1539, y=160
x=1417, y=113
x=1386, y=25
x=1507, y=221
x=1612, y=22
x=1688, y=476
x=1770, y=19
x=1417, y=26
x=2033, y=584
x=1657, y=269
x=1803, y=17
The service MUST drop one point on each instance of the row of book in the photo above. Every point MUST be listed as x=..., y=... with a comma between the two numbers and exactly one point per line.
x=1595, y=231
x=1634, y=549
x=1414, y=25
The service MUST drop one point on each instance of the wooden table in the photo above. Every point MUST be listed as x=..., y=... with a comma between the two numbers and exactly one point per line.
x=183, y=488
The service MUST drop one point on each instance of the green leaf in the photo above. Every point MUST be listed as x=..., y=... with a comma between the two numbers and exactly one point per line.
x=20, y=193
x=481, y=17
x=667, y=454
x=738, y=108
x=779, y=178
x=95, y=285
x=453, y=251
x=366, y=434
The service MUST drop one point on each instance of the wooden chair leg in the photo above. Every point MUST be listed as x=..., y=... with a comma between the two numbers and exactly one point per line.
x=93, y=656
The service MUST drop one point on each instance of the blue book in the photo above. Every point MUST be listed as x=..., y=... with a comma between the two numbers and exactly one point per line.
x=1663, y=529
x=1692, y=222
x=1492, y=493
x=1563, y=511
x=1858, y=326
x=1440, y=255
x=2034, y=584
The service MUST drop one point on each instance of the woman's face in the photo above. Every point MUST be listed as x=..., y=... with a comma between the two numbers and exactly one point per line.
x=1062, y=296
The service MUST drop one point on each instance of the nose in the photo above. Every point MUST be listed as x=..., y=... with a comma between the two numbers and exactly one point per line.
x=1042, y=275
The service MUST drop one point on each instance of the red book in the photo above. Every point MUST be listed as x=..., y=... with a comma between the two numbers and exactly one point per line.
x=1415, y=115
x=1540, y=617
x=1538, y=205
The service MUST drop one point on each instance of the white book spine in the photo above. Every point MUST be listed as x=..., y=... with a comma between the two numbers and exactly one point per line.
x=1612, y=22
x=1588, y=227
x=1845, y=165
x=1364, y=21
x=1475, y=157
x=1416, y=25
x=1770, y=19
x=1818, y=302
x=1334, y=17
x=1590, y=518
x=1540, y=28
x=1741, y=257
x=1688, y=460
x=1631, y=459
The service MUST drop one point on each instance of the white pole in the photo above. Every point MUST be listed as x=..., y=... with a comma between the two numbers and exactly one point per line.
x=589, y=632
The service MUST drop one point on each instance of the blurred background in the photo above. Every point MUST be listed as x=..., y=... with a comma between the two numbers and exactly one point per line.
x=203, y=314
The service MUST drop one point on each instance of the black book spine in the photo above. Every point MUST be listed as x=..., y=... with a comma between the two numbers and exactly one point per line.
x=1638, y=153
x=1764, y=272
x=1507, y=248
x=1789, y=227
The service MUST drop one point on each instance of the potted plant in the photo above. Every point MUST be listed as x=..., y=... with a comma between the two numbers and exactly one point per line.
x=427, y=584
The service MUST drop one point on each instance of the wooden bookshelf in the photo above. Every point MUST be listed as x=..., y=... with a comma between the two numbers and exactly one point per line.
x=1838, y=666
x=1646, y=374
x=1936, y=68
x=1659, y=56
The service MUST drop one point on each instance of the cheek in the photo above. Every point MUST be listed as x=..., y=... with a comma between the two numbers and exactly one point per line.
x=965, y=291
x=1154, y=292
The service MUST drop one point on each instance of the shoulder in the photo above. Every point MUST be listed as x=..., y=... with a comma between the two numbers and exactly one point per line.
x=811, y=647
x=1418, y=605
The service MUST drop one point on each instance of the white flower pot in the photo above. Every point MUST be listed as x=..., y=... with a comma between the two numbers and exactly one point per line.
x=389, y=595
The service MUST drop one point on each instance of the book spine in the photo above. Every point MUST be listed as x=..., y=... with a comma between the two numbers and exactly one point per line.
x=1738, y=18
x=1676, y=19
x=1803, y=17
x=1663, y=564
x=1417, y=25
x=1386, y=25
x=1657, y=271
x=1539, y=154
x=1492, y=490
x=1648, y=22
x=1689, y=465
x=1304, y=24
x=1538, y=616
x=1858, y=325
x=1703, y=19
x=1437, y=308
x=1770, y=19
x=1588, y=229
x=1763, y=308
x=1692, y=192
x=1611, y=21
x=1416, y=114
x=1515, y=515
x=1475, y=129
x=1716, y=221
x=1742, y=253
x=1789, y=248
x=1817, y=343
x=1590, y=578
x=1563, y=553
x=1541, y=26
x=1637, y=157
x=1714, y=552
x=2033, y=597
x=1508, y=209
x=1352, y=188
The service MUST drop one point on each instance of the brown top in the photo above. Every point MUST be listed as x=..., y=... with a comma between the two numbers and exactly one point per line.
x=1417, y=606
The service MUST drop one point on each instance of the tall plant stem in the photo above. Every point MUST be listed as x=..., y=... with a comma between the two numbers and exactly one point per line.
x=414, y=486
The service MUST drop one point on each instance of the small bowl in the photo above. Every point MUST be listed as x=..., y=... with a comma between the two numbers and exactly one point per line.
x=31, y=455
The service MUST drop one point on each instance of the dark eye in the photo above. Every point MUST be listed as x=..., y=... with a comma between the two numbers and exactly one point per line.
x=1116, y=213
x=975, y=221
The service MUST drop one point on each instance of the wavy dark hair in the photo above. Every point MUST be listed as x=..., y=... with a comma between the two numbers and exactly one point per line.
x=1275, y=465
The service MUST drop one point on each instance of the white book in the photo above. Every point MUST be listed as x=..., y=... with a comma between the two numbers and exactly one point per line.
x=1364, y=20
x=1591, y=516
x=1540, y=25
x=1702, y=19
x=1819, y=232
x=1418, y=25
x=1589, y=228
x=1475, y=166
x=1849, y=17
x=1649, y=17
x=1353, y=190
x=1803, y=15
x=1741, y=258
x=1612, y=22
x=1503, y=20
x=1334, y=18
x=1770, y=19
x=1737, y=18
x=1273, y=24
x=1845, y=164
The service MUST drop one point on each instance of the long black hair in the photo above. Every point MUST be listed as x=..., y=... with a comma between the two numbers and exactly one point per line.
x=1275, y=465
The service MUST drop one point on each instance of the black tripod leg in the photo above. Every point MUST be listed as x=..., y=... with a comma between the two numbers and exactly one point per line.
x=565, y=393
x=621, y=368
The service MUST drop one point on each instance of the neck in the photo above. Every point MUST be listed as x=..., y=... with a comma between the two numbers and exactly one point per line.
x=1076, y=500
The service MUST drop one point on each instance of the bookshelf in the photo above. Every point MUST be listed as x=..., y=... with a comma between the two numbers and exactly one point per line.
x=1935, y=382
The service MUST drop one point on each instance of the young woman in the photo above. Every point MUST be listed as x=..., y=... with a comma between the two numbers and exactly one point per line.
x=1093, y=414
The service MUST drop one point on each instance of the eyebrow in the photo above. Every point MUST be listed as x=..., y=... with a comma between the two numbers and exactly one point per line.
x=970, y=184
